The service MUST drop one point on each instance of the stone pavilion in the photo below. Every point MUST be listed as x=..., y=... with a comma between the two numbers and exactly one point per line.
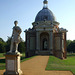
x=45, y=37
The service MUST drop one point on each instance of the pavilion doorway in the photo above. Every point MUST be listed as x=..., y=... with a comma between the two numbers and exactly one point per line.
x=44, y=37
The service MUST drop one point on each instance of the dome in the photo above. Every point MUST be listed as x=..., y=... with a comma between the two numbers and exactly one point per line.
x=45, y=14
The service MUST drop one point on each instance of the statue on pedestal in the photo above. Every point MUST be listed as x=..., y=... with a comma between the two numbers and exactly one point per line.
x=13, y=56
x=15, y=39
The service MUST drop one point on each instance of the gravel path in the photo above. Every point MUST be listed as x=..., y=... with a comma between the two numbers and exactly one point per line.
x=37, y=65
x=2, y=57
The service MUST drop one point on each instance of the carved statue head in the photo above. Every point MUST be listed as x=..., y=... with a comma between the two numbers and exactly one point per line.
x=15, y=22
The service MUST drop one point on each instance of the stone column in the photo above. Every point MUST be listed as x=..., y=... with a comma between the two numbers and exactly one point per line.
x=27, y=45
x=27, y=41
x=37, y=41
x=51, y=41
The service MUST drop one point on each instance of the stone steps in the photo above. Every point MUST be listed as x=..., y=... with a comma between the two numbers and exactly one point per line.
x=44, y=53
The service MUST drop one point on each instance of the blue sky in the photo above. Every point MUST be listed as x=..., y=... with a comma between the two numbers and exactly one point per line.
x=25, y=11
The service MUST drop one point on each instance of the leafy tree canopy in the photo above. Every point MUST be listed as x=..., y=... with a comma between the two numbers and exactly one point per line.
x=2, y=40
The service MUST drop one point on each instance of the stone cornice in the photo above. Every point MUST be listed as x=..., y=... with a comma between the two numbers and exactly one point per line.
x=44, y=26
x=44, y=29
x=45, y=23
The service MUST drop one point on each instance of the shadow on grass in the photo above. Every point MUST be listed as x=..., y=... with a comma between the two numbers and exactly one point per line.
x=69, y=55
x=2, y=60
x=2, y=64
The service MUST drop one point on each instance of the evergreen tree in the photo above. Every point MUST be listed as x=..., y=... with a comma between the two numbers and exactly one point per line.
x=8, y=43
x=21, y=47
x=2, y=45
x=71, y=46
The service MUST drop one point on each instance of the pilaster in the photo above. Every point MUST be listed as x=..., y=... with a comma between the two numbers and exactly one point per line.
x=37, y=40
x=51, y=41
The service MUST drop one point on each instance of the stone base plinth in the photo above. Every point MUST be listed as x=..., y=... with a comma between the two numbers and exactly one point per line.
x=13, y=64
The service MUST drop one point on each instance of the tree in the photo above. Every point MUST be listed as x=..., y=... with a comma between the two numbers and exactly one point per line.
x=2, y=47
x=68, y=42
x=5, y=46
x=71, y=46
x=21, y=47
x=8, y=43
x=2, y=40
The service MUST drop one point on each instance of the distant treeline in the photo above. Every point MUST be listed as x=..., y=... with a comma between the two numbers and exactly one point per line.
x=5, y=46
x=71, y=46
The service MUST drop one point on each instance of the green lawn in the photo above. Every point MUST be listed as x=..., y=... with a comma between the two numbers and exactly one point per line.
x=2, y=65
x=58, y=64
x=53, y=63
x=1, y=55
x=2, y=61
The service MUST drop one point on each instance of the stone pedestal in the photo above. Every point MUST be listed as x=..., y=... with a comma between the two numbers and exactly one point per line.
x=13, y=64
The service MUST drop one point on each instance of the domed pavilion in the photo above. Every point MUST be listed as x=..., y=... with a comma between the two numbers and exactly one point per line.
x=45, y=37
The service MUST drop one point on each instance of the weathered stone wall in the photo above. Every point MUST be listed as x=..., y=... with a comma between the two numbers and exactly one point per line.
x=30, y=43
x=59, y=49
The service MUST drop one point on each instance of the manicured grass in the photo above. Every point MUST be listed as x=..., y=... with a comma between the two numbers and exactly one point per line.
x=64, y=65
x=24, y=59
x=2, y=64
x=1, y=55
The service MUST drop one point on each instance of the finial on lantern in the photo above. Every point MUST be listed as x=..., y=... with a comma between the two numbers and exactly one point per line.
x=45, y=3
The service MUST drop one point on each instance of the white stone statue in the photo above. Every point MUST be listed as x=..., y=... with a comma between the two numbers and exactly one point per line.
x=45, y=45
x=16, y=39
